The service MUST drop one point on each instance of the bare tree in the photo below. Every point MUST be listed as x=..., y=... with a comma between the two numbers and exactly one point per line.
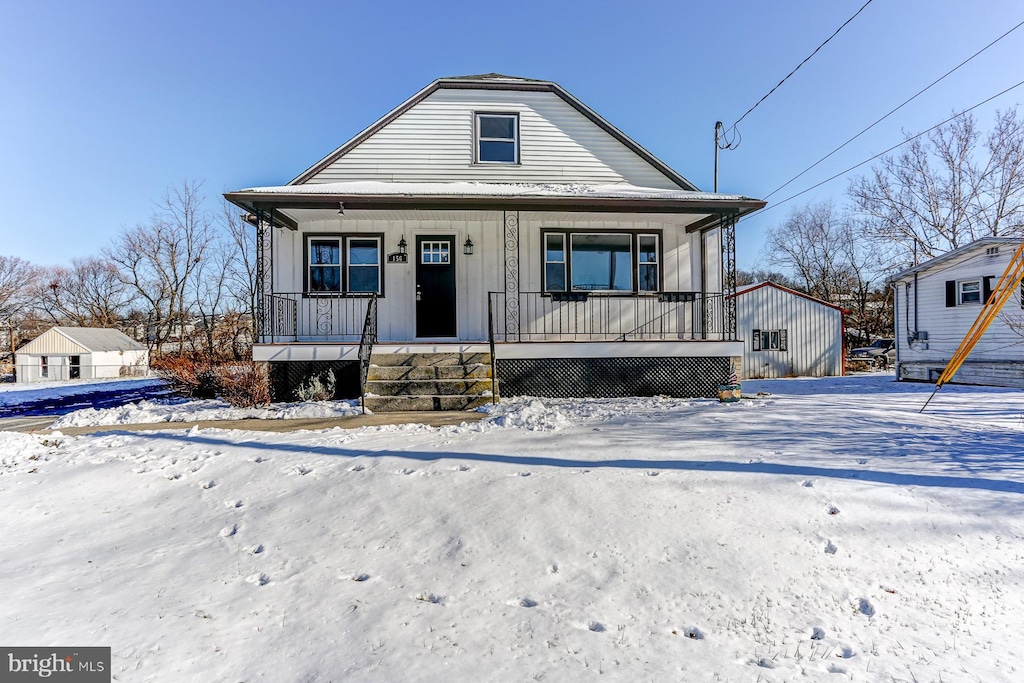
x=242, y=267
x=946, y=190
x=90, y=293
x=823, y=250
x=157, y=260
x=16, y=279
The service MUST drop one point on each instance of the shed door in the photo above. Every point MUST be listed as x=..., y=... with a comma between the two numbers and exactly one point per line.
x=435, y=286
x=74, y=367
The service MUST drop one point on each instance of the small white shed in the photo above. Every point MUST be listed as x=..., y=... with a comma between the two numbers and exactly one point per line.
x=787, y=333
x=80, y=353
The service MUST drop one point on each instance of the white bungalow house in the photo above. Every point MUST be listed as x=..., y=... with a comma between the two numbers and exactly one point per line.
x=938, y=301
x=787, y=333
x=80, y=353
x=501, y=229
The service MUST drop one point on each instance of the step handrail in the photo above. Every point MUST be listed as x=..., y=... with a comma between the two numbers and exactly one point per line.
x=366, y=341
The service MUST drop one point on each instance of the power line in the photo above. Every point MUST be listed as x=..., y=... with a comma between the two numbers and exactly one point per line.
x=919, y=93
x=806, y=59
x=910, y=139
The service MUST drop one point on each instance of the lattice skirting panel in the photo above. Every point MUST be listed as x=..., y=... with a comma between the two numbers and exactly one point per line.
x=287, y=377
x=612, y=377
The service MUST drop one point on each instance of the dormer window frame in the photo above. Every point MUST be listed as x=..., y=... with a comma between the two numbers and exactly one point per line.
x=479, y=139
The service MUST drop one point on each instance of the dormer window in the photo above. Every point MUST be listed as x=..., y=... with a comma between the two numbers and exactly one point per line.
x=497, y=138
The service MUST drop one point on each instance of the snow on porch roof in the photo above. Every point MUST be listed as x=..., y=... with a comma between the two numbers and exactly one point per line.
x=373, y=188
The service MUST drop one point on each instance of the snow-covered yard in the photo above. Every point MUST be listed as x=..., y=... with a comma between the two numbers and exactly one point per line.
x=827, y=528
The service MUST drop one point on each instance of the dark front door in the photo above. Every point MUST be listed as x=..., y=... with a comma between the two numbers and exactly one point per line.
x=435, y=286
x=74, y=367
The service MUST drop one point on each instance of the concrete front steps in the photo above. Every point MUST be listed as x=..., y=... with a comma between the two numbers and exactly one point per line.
x=398, y=382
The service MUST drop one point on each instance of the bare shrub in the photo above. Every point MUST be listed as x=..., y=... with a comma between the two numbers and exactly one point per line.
x=318, y=388
x=242, y=384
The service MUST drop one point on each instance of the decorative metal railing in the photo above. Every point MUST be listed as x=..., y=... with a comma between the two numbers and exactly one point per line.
x=366, y=342
x=295, y=316
x=582, y=316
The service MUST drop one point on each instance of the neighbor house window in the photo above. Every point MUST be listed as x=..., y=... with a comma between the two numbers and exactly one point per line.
x=497, y=138
x=350, y=263
x=769, y=340
x=601, y=262
x=969, y=291
x=44, y=366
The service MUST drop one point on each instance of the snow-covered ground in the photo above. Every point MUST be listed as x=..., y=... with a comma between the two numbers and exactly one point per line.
x=12, y=392
x=826, y=531
x=182, y=410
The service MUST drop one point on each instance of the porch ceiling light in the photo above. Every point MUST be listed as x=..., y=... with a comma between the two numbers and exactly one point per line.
x=467, y=247
x=402, y=245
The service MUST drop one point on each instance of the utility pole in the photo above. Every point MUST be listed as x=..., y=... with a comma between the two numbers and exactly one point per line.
x=718, y=132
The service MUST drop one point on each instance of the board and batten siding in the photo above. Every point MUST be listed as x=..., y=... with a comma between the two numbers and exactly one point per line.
x=814, y=334
x=477, y=274
x=433, y=142
x=998, y=357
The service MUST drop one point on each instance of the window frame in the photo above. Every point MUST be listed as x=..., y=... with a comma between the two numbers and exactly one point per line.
x=634, y=256
x=960, y=291
x=478, y=139
x=781, y=339
x=44, y=366
x=344, y=262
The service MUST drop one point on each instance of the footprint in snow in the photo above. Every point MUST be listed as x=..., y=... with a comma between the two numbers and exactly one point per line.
x=830, y=548
x=595, y=626
x=463, y=468
x=865, y=607
x=259, y=579
x=256, y=549
x=525, y=602
x=651, y=473
x=259, y=459
x=356, y=468
x=817, y=633
x=406, y=470
x=432, y=598
x=832, y=510
x=301, y=470
x=807, y=483
x=229, y=531
x=207, y=484
x=233, y=504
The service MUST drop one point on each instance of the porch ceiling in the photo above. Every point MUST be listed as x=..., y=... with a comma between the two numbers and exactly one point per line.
x=315, y=215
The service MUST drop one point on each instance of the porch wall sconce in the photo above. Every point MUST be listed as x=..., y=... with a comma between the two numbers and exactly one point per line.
x=341, y=208
x=399, y=256
x=467, y=247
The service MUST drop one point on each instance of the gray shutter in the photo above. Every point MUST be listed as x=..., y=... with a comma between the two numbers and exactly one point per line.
x=950, y=293
x=783, y=341
x=756, y=342
x=986, y=287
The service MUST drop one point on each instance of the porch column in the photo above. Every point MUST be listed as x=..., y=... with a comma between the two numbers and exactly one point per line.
x=264, y=271
x=511, y=240
x=729, y=275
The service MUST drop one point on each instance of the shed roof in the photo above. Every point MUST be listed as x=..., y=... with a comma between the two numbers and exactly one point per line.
x=90, y=339
x=768, y=283
x=984, y=242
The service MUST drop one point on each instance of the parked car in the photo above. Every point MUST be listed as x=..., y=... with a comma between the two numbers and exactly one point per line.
x=881, y=353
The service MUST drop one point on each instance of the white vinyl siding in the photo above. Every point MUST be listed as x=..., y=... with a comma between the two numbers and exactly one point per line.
x=997, y=358
x=434, y=142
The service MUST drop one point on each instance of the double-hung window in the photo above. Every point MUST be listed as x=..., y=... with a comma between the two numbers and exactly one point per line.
x=601, y=262
x=348, y=263
x=497, y=138
x=970, y=291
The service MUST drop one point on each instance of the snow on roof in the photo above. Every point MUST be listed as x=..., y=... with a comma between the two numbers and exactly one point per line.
x=473, y=189
x=101, y=338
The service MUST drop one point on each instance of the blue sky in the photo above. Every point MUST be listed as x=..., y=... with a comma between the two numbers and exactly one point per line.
x=105, y=104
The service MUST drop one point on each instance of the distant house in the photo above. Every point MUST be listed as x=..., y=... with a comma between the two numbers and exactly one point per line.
x=788, y=333
x=80, y=353
x=496, y=226
x=938, y=301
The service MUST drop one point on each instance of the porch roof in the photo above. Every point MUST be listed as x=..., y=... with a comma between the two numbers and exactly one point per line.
x=619, y=197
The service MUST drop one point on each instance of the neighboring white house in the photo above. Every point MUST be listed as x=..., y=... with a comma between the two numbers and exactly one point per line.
x=938, y=301
x=80, y=353
x=788, y=333
x=498, y=209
